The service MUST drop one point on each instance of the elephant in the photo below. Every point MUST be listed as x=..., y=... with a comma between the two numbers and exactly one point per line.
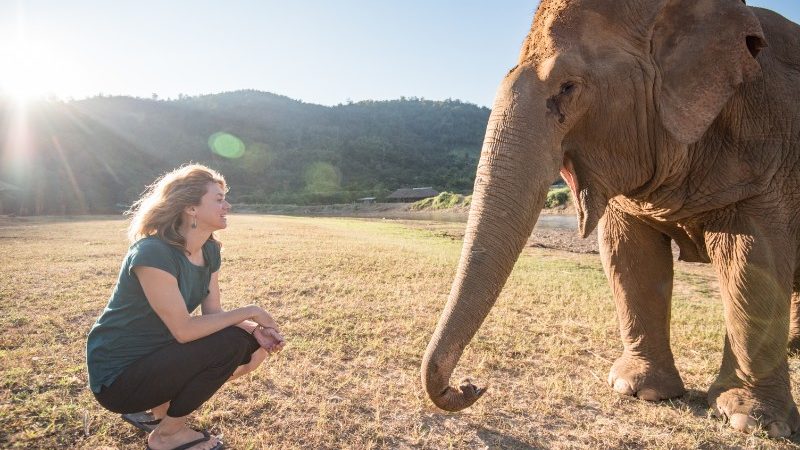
x=671, y=121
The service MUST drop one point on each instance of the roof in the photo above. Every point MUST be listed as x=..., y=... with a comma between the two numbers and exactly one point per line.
x=419, y=193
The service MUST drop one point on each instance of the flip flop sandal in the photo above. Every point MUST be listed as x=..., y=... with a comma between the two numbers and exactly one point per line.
x=206, y=437
x=142, y=420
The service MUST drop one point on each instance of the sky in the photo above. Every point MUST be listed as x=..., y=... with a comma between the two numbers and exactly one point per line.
x=318, y=51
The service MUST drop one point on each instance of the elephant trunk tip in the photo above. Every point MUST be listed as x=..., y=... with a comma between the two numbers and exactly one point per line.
x=452, y=399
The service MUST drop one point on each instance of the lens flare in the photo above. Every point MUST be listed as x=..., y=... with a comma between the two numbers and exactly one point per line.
x=226, y=145
x=322, y=177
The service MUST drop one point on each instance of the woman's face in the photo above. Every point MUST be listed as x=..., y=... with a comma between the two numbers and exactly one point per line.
x=212, y=211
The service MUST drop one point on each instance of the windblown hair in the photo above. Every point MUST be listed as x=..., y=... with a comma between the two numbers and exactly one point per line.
x=159, y=211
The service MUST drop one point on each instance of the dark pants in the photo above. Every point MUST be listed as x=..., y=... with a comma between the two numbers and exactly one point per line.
x=186, y=375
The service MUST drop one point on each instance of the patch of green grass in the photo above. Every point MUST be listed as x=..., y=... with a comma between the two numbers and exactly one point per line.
x=557, y=196
x=358, y=300
x=444, y=200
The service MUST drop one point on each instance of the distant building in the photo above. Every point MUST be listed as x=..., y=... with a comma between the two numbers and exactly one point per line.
x=406, y=195
x=366, y=200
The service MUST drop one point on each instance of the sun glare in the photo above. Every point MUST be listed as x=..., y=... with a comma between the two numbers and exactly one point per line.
x=28, y=73
x=39, y=69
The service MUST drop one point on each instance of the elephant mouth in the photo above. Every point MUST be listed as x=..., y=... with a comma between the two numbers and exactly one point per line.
x=590, y=204
x=568, y=175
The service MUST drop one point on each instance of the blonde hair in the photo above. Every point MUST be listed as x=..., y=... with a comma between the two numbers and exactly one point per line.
x=159, y=211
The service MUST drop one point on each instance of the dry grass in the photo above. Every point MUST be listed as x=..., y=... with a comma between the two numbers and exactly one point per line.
x=358, y=301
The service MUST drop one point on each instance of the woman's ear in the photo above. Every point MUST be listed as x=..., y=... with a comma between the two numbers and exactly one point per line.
x=703, y=50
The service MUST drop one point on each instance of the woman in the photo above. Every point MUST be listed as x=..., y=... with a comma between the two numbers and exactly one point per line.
x=146, y=350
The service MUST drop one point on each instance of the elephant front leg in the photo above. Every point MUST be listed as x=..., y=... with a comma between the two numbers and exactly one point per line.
x=752, y=390
x=637, y=260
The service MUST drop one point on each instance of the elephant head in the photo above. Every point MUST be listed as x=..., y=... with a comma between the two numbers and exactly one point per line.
x=610, y=93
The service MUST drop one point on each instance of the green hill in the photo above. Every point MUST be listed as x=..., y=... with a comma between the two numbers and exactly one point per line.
x=97, y=154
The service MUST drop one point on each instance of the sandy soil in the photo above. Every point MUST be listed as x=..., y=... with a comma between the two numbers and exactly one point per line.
x=567, y=240
x=449, y=222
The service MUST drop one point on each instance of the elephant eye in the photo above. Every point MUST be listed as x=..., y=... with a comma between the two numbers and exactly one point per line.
x=567, y=87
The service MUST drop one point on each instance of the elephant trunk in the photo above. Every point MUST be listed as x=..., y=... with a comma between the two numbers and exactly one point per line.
x=518, y=163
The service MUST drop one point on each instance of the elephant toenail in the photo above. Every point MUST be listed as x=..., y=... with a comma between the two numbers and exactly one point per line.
x=623, y=387
x=648, y=394
x=743, y=422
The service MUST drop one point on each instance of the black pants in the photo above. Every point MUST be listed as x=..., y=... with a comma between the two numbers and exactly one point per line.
x=186, y=375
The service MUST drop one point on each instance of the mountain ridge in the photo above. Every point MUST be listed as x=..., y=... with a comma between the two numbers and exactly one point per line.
x=95, y=154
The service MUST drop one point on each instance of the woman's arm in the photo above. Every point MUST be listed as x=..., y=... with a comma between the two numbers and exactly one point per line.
x=161, y=290
x=212, y=303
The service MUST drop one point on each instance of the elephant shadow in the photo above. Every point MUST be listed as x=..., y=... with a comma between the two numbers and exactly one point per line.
x=696, y=401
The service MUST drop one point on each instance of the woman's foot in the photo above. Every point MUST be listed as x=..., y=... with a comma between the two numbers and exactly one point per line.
x=160, y=411
x=158, y=440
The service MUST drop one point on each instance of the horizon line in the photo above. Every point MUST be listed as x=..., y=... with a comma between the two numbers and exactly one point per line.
x=154, y=97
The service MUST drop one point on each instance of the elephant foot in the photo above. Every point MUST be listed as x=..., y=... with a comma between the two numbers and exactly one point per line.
x=644, y=379
x=794, y=345
x=751, y=409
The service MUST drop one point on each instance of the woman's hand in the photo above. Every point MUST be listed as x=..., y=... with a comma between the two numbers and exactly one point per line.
x=269, y=339
x=262, y=317
x=266, y=333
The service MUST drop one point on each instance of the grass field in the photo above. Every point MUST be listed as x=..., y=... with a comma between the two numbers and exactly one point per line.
x=358, y=300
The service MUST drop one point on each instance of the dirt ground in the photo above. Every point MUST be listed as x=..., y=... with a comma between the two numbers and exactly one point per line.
x=449, y=222
x=560, y=239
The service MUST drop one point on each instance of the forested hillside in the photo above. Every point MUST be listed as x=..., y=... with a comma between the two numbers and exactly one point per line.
x=96, y=155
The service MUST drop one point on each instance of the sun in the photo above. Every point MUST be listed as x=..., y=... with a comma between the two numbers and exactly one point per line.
x=28, y=71
x=38, y=69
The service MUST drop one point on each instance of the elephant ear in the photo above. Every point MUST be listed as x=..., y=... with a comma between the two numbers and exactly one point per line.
x=703, y=49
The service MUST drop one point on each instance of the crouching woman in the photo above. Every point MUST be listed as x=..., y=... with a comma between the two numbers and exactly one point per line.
x=146, y=350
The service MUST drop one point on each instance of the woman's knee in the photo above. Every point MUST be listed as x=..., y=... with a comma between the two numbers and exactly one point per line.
x=242, y=340
x=234, y=336
x=231, y=344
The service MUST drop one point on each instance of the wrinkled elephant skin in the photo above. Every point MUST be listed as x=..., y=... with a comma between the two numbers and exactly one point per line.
x=670, y=120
